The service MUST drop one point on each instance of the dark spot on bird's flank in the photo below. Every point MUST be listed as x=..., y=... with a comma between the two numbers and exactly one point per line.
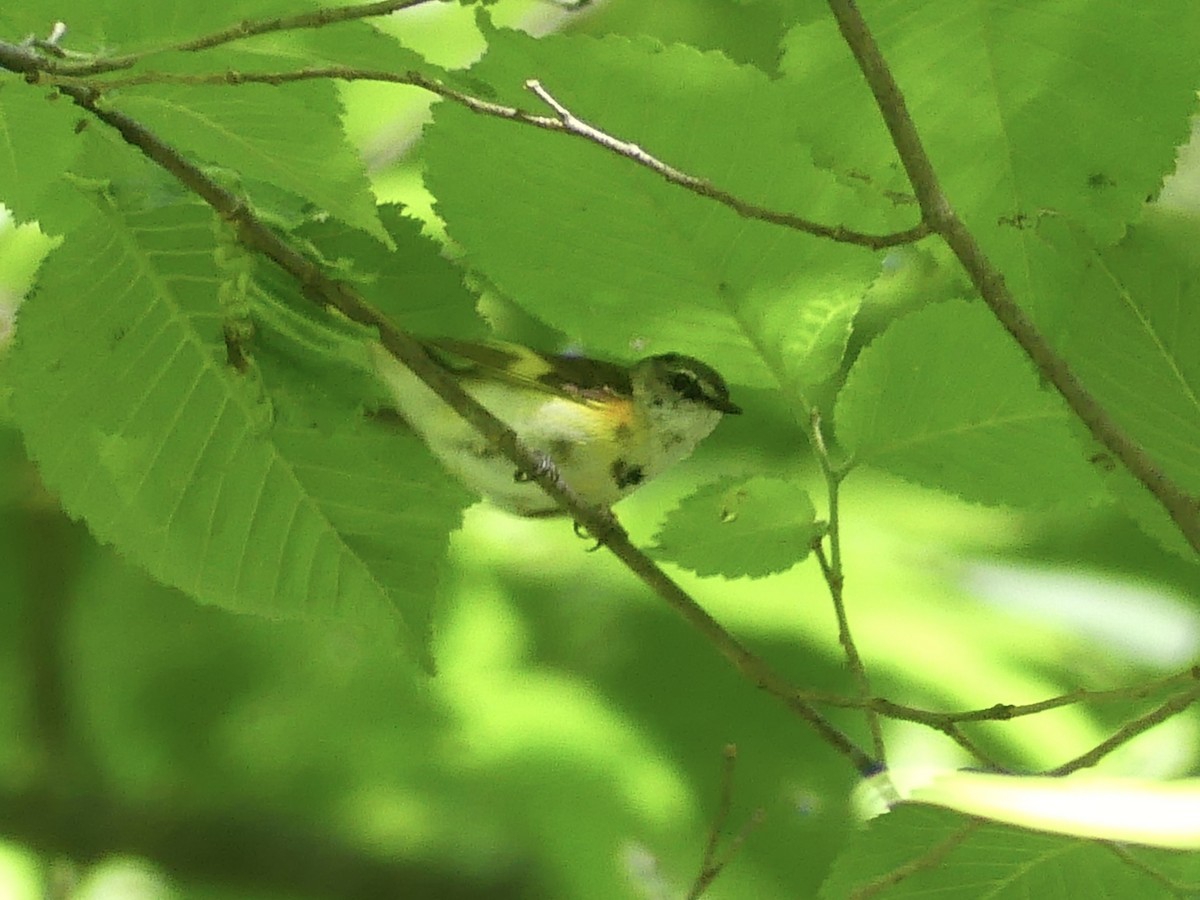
x=671, y=439
x=622, y=432
x=626, y=475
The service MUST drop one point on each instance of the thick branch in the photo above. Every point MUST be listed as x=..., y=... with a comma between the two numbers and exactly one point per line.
x=937, y=212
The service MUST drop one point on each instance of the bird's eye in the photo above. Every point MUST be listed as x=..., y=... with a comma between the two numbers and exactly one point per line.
x=686, y=384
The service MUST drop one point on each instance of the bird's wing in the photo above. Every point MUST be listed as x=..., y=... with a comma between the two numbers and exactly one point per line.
x=573, y=377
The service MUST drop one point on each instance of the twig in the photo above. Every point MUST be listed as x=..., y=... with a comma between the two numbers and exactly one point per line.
x=325, y=291
x=1005, y=711
x=562, y=121
x=731, y=850
x=723, y=805
x=1128, y=732
x=572, y=124
x=1001, y=712
x=831, y=568
x=250, y=28
x=956, y=734
x=937, y=212
x=711, y=865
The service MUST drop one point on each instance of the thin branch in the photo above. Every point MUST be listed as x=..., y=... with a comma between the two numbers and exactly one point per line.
x=1127, y=732
x=731, y=850
x=833, y=580
x=712, y=865
x=831, y=568
x=1005, y=711
x=723, y=806
x=937, y=212
x=562, y=121
x=1001, y=712
x=572, y=124
x=318, y=18
x=325, y=291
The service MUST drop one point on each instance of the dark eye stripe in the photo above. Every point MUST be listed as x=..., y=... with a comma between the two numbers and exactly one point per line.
x=695, y=381
x=687, y=384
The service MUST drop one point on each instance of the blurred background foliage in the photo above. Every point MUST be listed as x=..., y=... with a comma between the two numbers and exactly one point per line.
x=571, y=744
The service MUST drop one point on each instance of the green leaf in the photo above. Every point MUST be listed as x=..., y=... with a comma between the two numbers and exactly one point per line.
x=37, y=144
x=916, y=851
x=413, y=285
x=1133, y=343
x=740, y=528
x=287, y=505
x=1021, y=107
x=113, y=27
x=290, y=137
x=355, y=43
x=946, y=399
x=625, y=263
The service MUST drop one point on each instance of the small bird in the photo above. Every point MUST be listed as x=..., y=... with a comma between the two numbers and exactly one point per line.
x=607, y=428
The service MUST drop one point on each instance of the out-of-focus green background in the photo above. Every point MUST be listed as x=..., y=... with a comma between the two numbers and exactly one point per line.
x=571, y=744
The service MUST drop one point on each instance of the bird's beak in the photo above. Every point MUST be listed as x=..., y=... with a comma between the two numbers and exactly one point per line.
x=725, y=405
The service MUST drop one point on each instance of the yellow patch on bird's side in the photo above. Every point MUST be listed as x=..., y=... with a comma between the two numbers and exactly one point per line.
x=618, y=413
